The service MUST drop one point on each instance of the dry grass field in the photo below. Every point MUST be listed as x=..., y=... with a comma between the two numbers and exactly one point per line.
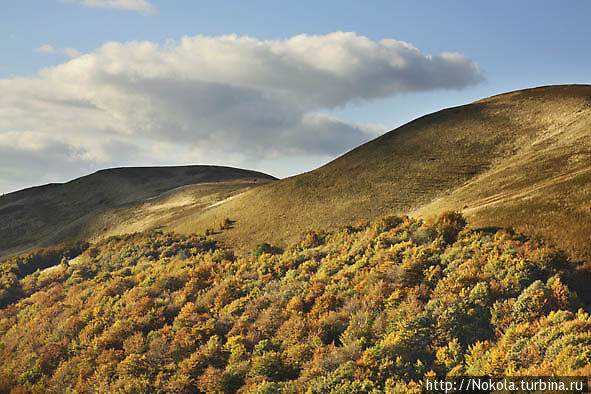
x=114, y=201
x=520, y=159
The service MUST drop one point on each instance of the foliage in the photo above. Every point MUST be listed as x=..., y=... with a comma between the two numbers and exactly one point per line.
x=14, y=268
x=266, y=248
x=226, y=224
x=365, y=309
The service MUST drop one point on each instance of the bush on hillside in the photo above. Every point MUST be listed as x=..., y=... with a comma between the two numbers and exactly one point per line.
x=352, y=310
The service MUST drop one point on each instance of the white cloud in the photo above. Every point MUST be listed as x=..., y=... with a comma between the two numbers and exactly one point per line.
x=70, y=52
x=226, y=100
x=25, y=155
x=45, y=49
x=132, y=5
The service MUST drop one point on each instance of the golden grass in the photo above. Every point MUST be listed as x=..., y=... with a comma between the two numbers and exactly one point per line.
x=115, y=201
x=519, y=159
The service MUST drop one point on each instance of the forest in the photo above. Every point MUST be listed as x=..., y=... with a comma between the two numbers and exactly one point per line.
x=370, y=307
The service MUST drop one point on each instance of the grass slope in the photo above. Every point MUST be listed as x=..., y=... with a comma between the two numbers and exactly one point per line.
x=528, y=151
x=114, y=201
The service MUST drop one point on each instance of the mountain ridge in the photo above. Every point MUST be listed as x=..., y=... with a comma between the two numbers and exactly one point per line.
x=519, y=159
x=96, y=205
x=407, y=170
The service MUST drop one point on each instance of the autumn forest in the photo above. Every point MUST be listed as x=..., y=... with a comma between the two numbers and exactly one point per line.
x=371, y=307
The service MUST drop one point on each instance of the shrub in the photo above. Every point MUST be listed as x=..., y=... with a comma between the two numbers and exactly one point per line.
x=266, y=248
x=449, y=224
x=226, y=224
x=387, y=223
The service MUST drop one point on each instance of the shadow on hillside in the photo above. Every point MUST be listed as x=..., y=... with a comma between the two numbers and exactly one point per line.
x=579, y=283
x=491, y=230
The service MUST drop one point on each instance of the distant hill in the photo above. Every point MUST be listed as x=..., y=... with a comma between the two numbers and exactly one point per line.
x=519, y=159
x=115, y=201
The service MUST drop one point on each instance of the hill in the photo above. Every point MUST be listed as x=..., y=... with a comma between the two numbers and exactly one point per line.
x=520, y=159
x=372, y=308
x=114, y=201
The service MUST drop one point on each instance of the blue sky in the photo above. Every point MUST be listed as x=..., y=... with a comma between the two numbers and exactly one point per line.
x=54, y=52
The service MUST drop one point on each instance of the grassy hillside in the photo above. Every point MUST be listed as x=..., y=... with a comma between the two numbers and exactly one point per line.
x=520, y=159
x=114, y=201
x=370, y=308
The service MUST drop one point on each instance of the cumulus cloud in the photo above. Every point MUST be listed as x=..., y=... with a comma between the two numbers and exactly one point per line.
x=25, y=153
x=47, y=48
x=132, y=5
x=227, y=99
x=70, y=52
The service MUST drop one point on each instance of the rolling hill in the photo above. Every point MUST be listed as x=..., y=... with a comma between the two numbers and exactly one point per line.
x=115, y=201
x=520, y=159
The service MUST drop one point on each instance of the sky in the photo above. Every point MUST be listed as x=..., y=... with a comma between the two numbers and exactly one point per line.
x=279, y=87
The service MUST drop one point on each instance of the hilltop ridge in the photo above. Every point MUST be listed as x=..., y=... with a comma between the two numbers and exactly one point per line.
x=520, y=159
x=503, y=160
x=114, y=201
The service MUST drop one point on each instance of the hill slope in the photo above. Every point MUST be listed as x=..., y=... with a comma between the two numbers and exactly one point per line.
x=114, y=201
x=519, y=159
